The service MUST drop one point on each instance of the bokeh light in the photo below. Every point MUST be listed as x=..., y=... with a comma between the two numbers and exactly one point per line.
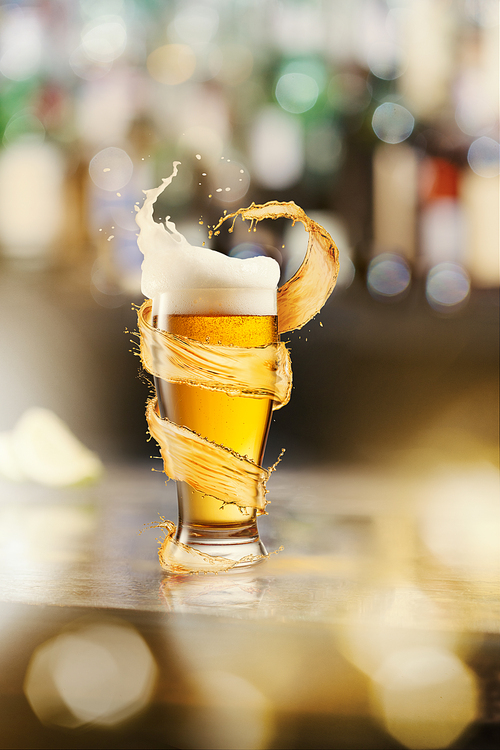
x=172, y=64
x=111, y=168
x=196, y=24
x=23, y=125
x=460, y=519
x=296, y=92
x=476, y=111
x=427, y=696
x=234, y=715
x=447, y=286
x=484, y=157
x=95, y=673
x=277, y=148
x=84, y=67
x=20, y=42
x=300, y=84
x=381, y=34
x=392, y=123
x=105, y=39
x=389, y=276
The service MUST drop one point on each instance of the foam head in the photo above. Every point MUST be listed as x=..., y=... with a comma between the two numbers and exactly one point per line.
x=197, y=280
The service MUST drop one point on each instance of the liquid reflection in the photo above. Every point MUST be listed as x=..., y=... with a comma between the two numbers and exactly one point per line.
x=99, y=672
x=235, y=590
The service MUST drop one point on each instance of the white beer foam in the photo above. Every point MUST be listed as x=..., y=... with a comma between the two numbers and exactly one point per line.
x=174, y=268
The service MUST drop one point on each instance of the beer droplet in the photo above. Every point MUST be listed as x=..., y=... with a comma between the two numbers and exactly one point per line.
x=106, y=169
x=198, y=156
x=111, y=237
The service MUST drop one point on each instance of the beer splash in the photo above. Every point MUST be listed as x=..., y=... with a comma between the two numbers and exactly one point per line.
x=254, y=372
x=261, y=372
x=302, y=296
x=181, y=559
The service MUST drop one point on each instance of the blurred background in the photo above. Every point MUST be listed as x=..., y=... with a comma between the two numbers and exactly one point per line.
x=378, y=625
x=379, y=118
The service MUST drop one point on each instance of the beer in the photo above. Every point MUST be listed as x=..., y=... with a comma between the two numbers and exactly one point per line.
x=240, y=423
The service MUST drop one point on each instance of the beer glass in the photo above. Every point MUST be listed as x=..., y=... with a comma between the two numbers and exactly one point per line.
x=240, y=423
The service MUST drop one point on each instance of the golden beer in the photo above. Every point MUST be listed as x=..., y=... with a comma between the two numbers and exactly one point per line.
x=237, y=422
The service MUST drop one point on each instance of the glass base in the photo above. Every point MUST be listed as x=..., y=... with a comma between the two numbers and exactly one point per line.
x=232, y=544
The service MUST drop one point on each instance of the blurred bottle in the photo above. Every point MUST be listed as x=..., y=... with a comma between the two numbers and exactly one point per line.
x=31, y=200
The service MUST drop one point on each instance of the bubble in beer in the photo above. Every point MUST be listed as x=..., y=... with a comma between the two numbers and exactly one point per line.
x=392, y=123
x=111, y=169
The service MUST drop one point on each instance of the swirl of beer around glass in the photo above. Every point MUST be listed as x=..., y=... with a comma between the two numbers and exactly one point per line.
x=254, y=372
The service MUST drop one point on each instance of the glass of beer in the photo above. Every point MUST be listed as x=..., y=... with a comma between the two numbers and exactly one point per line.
x=219, y=317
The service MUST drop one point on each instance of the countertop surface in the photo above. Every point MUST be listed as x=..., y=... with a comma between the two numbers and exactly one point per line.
x=378, y=568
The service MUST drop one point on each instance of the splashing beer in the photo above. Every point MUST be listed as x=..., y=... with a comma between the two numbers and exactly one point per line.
x=210, y=339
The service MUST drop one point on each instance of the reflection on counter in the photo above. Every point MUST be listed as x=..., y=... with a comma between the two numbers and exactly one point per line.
x=377, y=626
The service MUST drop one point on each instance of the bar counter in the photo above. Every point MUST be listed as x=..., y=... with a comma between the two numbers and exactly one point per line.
x=376, y=626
